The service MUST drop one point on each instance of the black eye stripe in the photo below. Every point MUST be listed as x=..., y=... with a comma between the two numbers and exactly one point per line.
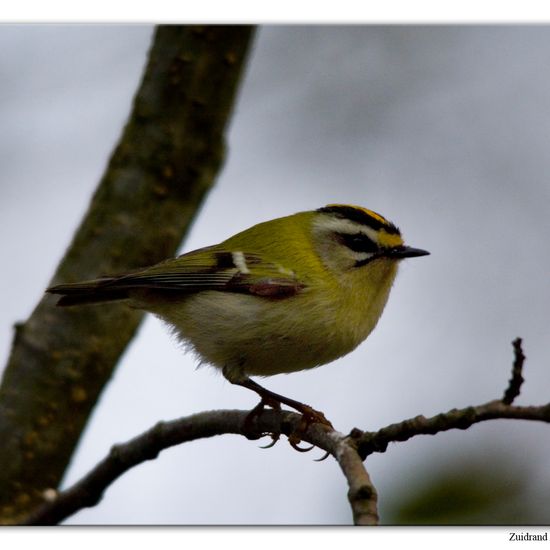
x=359, y=242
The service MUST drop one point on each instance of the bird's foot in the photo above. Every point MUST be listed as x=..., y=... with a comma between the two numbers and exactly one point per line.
x=275, y=400
x=255, y=413
x=309, y=416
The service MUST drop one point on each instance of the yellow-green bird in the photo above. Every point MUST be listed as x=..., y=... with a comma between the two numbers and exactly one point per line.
x=285, y=295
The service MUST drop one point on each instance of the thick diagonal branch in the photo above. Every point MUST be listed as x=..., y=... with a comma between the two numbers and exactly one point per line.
x=156, y=180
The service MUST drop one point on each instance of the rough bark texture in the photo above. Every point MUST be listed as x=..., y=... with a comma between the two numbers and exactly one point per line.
x=164, y=164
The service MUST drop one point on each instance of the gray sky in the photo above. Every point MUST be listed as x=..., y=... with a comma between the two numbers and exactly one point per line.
x=444, y=130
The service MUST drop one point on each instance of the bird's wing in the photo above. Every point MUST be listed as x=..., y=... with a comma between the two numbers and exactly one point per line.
x=215, y=268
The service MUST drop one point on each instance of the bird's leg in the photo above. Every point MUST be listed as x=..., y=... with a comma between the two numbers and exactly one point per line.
x=269, y=398
x=274, y=400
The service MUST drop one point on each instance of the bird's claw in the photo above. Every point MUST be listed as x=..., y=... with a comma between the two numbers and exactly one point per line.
x=254, y=413
x=324, y=457
x=295, y=440
x=274, y=438
x=309, y=416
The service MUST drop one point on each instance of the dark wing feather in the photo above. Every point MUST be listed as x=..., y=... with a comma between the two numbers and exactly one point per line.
x=206, y=269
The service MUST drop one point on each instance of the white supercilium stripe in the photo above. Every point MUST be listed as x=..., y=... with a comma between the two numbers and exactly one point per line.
x=338, y=225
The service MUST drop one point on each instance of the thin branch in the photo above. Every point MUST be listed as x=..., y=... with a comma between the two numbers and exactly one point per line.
x=461, y=419
x=371, y=442
x=514, y=386
x=89, y=490
x=349, y=451
x=362, y=494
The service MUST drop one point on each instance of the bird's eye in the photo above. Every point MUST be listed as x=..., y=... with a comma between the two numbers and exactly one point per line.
x=359, y=242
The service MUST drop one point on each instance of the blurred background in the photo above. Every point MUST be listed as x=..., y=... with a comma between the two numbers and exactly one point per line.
x=445, y=130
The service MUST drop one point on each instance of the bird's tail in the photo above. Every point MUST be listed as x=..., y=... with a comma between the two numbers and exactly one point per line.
x=89, y=292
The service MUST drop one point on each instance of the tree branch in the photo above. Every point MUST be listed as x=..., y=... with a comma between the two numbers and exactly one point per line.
x=362, y=494
x=349, y=451
x=455, y=419
x=371, y=442
x=89, y=490
x=156, y=180
x=514, y=386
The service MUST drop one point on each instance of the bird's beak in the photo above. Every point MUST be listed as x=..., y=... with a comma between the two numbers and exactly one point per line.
x=403, y=251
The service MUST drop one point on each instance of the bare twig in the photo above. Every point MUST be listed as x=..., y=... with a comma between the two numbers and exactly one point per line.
x=370, y=442
x=461, y=419
x=362, y=494
x=514, y=386
x=349, y=451
x=89, y=490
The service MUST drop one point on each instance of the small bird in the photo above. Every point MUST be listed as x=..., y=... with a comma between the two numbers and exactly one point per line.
x=285, y=295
